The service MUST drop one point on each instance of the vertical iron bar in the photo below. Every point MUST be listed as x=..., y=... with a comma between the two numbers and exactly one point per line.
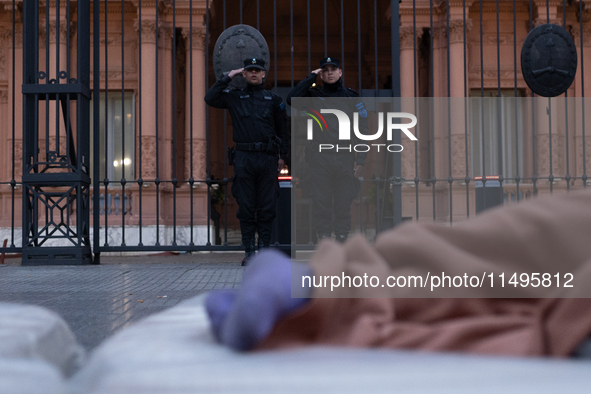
x=395, y=57
x=517, y=159
x=207, y=125
x=140, y=179
x=106, y=180
x=415, y=79
x=68, y=54
x=13, y=96
x=225, y=163
x=431, y=126
x=584, y=176
x=551, y=174
x=275, y=42
x=48, y=77
x=240, y=11
x=309, y=45
x=291, y=38
x=30, y=104
x=96, y=131
x=83, y=123
x=191, y=179
x=325, y=31
x=157, y=180
x=567, y=177
x=67, y=123
x=466, y=100
x=482, y=144
x=57, y=76
x=500, y=166
x=122, y=122
x=174, y=125
x=343, y=41
x=387, y=182
x=448, y=64
x=359, y=48
x=375, y=40
x=533, y=114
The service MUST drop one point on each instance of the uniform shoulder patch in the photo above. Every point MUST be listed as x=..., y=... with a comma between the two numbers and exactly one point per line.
x=282, y=106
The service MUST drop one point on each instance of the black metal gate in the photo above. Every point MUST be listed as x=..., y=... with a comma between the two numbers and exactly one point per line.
x=147, y=161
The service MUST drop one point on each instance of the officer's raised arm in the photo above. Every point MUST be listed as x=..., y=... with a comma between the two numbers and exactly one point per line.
x=215, y=95
x=303, y=87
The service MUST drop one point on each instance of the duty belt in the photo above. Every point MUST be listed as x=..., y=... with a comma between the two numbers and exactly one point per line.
x=252, y=146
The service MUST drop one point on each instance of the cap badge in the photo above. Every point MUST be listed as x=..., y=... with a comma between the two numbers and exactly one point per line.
x=328, y=60
x=254, y=61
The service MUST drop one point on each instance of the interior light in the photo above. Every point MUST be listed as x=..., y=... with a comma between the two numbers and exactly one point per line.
x=115, y=163
x=126, y=162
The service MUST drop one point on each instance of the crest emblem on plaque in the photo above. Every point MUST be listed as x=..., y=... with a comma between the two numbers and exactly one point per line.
x=233, y=46
x=549, y=60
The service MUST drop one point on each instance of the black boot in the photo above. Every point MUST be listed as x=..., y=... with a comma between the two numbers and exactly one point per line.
x=249, y=251
x=264, y=243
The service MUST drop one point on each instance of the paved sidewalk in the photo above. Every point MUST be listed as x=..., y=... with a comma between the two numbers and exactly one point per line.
x=98, y=300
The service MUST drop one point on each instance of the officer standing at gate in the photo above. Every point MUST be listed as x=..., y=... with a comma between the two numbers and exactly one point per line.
x=334, y=176
x=259, y=123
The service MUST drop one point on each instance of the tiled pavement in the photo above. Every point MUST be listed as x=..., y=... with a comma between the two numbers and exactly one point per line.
x=98, y=300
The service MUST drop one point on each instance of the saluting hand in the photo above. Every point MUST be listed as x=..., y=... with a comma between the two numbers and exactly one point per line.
x=280, y=164
x=232, y=73
x=317, y=71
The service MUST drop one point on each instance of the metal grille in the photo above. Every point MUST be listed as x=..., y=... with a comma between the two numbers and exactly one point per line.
x=158, y=155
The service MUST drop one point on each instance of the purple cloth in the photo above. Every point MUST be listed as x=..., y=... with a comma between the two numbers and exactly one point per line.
x=242, y=318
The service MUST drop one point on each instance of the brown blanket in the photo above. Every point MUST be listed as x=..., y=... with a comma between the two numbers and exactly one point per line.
x=548, y=234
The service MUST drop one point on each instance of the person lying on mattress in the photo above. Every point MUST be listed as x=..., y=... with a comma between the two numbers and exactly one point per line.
x=547, y=235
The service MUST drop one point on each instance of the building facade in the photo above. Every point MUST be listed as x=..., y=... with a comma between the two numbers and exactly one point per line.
x=162, y=155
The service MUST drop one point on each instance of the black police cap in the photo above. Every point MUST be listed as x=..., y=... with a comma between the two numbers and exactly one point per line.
x=330, y=61
x=254, y=63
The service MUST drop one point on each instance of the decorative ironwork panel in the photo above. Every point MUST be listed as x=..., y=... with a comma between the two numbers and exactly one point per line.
x=56, y=155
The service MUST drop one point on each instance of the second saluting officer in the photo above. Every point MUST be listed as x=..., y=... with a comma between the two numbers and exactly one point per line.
x=259, y=123
x=333, y=175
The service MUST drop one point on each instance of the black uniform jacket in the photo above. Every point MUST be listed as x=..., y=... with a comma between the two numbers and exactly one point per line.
x=257, y=114
x=304, y=89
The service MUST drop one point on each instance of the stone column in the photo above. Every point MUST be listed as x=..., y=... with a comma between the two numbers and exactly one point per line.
x=146, y=144
x=409, y=38
x=148, y=32
x=166, y=118
x=15, y=106
x=7, y=107
x=195, y=136
x=458, y=103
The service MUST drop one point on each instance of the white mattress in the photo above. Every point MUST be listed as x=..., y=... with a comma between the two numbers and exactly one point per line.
x=173, y=352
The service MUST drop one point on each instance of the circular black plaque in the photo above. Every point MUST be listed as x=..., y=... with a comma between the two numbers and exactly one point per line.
x=235, y=44
x=549, y=60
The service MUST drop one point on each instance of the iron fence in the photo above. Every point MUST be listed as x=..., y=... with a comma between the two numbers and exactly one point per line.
x=157, y=156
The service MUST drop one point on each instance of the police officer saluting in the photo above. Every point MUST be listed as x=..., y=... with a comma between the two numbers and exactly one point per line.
x=260, y=133
x=333, y=175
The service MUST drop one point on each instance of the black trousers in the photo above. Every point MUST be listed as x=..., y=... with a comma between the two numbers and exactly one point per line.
x=333, y=189
x=255, y=188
